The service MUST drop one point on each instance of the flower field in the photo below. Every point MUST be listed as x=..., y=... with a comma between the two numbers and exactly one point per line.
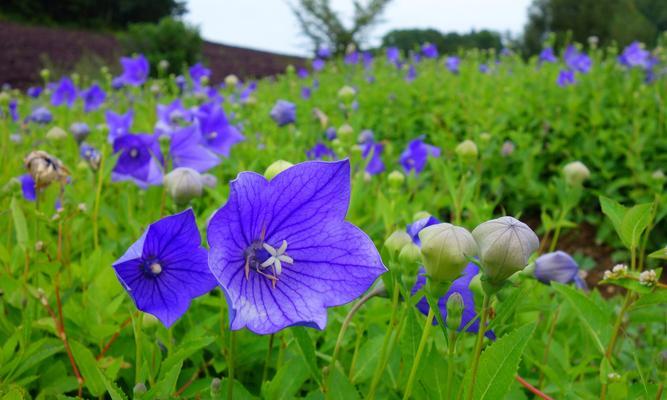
x=377, y=226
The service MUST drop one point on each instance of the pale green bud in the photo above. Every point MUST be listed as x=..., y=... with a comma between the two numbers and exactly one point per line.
x=420, y=215
x=467, y=150
x=576, y=173
x=396, y=178
x=163, y=65
x=276, y=168
x=4, y=98
x=410, y=254
x=216, y=384
x=183, y=185
x=454, y=310
x=45, y=74
x=139, y=389
x=345, y=130
x=346, y=93
x=446, y=250
x=56, y=133
x=397, y=240
x=290, y=70
x=505, y=245
x=231, y=80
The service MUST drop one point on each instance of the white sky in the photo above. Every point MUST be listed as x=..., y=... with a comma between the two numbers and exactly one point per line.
x=270, y=25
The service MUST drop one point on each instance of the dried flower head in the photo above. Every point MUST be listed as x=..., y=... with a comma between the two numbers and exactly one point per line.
x=45, y=169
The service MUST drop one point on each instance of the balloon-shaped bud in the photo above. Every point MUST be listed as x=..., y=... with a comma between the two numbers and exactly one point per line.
x=576, y=173
x=346, y=93
x=454, y=310
x=276, y=168
x=183, y=184
x=396, y=178
x=467, y=150
x=410, y=254
x=446, y=250
x=397, y=240
x=80, y=131
x=505, y=244
x=231, y=80
x=56, y=133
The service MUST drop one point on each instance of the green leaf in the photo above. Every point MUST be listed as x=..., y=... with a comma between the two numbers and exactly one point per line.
x=87, y=365
x=114, y=391
x=661, y=254
x=307, y=350
x=341, y=388
x=657, y=297
x=410, y=338
x=498, y=364
x=289, y=378
x=167, y=384
x=596, y=320
x=20, y=225
x=629, y=223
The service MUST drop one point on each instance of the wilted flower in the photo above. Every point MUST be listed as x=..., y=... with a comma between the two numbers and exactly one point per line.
x=135, y=70
x=183, y=184
x=576, y=173
x=118, y=124
x=140, y=160
x=80, y=131
x=547, y=56
x=416, y=154
x=565, y=78
x=45, y=169
x=283, y=113
x=505, y=244
x=166, y=268
x=283, y=252
x=446, y=249
x=557, y=266
x=93, y=98
x=462, y=287
x=320, y=151
x=217, y=133
x=64, y=93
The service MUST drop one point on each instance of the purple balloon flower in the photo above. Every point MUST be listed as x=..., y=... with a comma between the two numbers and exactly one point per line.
x=197, y=72
x=13, y=110
x=283, y=252
x=558, y=266
x=28, y=187
x=64, y=92
x=34, y=91
x=40, y=115
x=429, y=50
x=166, y=268
x=218, y=135
x=302, y=73
x=352, y=58
x=565, y=78
x=373, y=150
x=318, y=64
x=118, y=124
x=283, y=113
x=414, y=228
x=416, y=154
x=461, y=286
x=140, y=160
x=452, y=64
x=93, y=98
x=330, y=133
x=135, y=70
x=180, y=82
x=319, y=151
x=170, y=115
x=547, y=56
x=324, y=52
x=306, y=92
x=90, y=154
x=411, y=74
x=483, y=68
x=635, y=55
x=186, y=150
x=576, y=60
x=393, y=55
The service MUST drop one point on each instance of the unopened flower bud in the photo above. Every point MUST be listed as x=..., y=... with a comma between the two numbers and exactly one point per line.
x=396, y=178
x=216, y=384
x=345, y=130
x=163, y=65
x=454, y=310
x=467, y=150
x=346, y=93
x=410, y=254
x=505, y=244
x=507, y=149
x=45, y=74
x=56, y=133
x=446, y=250
x=80, y=131
x=397, y=240
x=139, y=389
x=276, y=168
x=39, y=246
x=658, y=175
x=576, y=173
x=421, y=215
x=210, y=181
x=557, y=266
x=183, y=185
x=485, y=136
x=231, y=80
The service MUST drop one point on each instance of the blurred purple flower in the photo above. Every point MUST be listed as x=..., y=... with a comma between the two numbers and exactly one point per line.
x=13, y=110
x=429, y=50
x=484, y=68
x=330, y=133
x=64, y=92
x=352, y=58
x=180, y=82
x=91, y=155
x=393, y=55
x=320, y=151
x=40, y=115
x=318, y=64
x=34, y=91
x=414, y=228
x=305, y=92
x=93, y=98
x=372, y=152
x=80, y=131
x=367, y=59
x=118, y=124
x=634, y=55
x=218, y=134
x=576, y=60
x=283, y=113
x=324, y=52
x=565, y=78
x=135, y=70
x=197, y=72
x=28, y=187
x=558, y=266
x=411, y=74
x=166, y=268
x=452, y=64
x=283, y=252
x=302, y=73
x=547, y=56
x=416, y=154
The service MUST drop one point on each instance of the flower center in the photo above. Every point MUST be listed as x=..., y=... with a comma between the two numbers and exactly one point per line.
x=266, y=260
x=155, y=268
x=213, y=135
x=134, y=153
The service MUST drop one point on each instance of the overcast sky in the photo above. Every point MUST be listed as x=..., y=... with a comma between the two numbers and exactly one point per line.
x=270, y=25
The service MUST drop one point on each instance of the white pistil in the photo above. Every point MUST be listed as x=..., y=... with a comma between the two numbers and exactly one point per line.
x=134, y=153
x=278, y=257
x=156, y=268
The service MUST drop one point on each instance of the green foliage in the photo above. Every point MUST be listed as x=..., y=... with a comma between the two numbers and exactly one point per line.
x=631, y=223
x=410, y=39
x=618, y=21
x=92, y=14
x=171, y=40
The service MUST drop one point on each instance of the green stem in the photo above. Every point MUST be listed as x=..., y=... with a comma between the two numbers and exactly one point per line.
x=265, y=372
x=614, y=337
x=138, y=359
x=545, y=356
x=379, y=369
x=418, y=356
x=230, y=362
x=554, y=241
x=478, y=346
x=451, y=352
x=98, y=195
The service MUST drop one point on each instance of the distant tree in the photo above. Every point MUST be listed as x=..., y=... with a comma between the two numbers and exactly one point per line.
x=620, y=21
x=94, y=14
x=323, y=26
x=410, y=39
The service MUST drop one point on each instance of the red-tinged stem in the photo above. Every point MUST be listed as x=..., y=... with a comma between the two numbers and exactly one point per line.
x=537, y=392
x=114, y=337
